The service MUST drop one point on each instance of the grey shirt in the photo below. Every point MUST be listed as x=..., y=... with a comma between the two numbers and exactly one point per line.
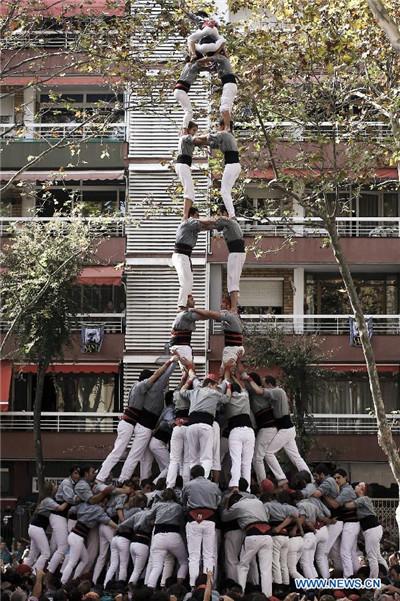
x=230, y=229
x=114, y=503
x=126, y=525
x=246, y=511
x=309, y=510
x=258, y=402
x=329, y=487
x=204, y=399
x=188, y=232
x=346, y=494
x=46, y=506
x=279, y=401
x=167, y=512
x=83, y=490
x=190, y=73
x=230, y=322
x=186, y=320
x=280, y=511
x=66, y=492
x=364, y=507
x=200, y=492
x=180, y=402
x=224, y=141
x=154, y=397
x=186, y=145
x=238, y=405
x=222, y=65
x=137, y=394
x=90, y=515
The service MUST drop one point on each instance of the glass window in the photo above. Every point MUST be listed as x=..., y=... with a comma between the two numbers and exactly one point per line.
x=391, y=204
x=100, y=299
x=99, y=202
x=5, y=481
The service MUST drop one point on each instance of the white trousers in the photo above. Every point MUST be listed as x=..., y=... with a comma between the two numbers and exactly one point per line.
x=183, y=99
x=184, y=350
x=372, y=539
x=160, y=452
x=185, y=276
x=241, y=449
x=294, y=554
x=39, y=551
x=59, y=525
x=348, y=548
x=184, y=173
x=124, y=434
x=334, y=531
x=286, y=440
x=92, y=548
x=280, y=549
x=229, y=177
x=200, y=441
x=257, y=546
x=178, y=457
x=263, y=439
x=232, y=352
x=139, y=554
x=216, y=460
x=307, y=555
x=163, y=543
x=137, y=451
x=167, y=571
x=233, y=540
x=229, y=93
x=201, y=542
x=78, y=556
x=106, y=534
x=119, y=559
x=321, y=551
x=234, y=270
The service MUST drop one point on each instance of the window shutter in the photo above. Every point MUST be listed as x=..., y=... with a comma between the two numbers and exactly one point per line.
x=255, y=292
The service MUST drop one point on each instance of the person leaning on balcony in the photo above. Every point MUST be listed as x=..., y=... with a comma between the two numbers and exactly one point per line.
x=285, y=438
x=39, y=551
x=59, y=520
x=129, y=419
x=370, y=527
x=185, y=241
x=153, y=405
x=226, y=142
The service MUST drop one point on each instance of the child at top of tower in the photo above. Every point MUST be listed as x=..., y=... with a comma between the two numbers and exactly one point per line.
x=206, y=40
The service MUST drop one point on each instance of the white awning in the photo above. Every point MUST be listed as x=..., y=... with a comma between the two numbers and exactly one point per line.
x=62, y=176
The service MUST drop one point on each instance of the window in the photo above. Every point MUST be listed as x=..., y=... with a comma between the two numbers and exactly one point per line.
x=351, y=394
x=261, y=295
x=94, y=200
x=63, y=108
x=326, y=295
x=100, y=299
x=5, y=482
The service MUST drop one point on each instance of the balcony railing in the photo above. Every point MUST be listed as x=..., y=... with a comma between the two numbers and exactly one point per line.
x=300, y=132
x=110, y=226
x=347, y=227
x=74, y=131
x=41, y=39
x=113, y=323
x=314, y=324
x=107, y=422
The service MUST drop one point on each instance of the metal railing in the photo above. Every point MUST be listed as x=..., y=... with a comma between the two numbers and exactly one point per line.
x=313, y=324
x=40, y=39
x=288, y=130
x=113, y=323
x=112, y=226
x=74, y=131
x=358, y=227
x=107, y=422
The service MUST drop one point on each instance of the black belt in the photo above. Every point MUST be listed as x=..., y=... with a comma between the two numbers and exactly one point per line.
x=64, y=513
x=181, y=413
x=236, y=246
x=127, y=535
x=228, y=78
x=231, y=156
x=284, y=422
x=265, y=418
x=182, y=85
x=233, y=339
x=148, y=419
x=208, y=39
x=239, y=421
x=186, y=159
x=183, y=249
x=81, y=530
x=130, y=415
x=201, y=417
x=142, y=538
x=371, y=521
x=160, y=528
x=181, y=337
x=41, y=521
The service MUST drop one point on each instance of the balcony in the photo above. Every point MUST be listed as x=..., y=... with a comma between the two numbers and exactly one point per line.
x=100, y=145
x=113, y=323
x=335, y=325
x=107, y=422
x=106, y=226
x=307, y=132
x=41, y=39
x=347, y=227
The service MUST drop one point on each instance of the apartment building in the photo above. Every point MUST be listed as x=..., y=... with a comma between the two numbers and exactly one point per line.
x=297, y=288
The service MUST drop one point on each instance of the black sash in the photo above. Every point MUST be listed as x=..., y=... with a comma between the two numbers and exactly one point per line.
x=201, y=417
x=284, y=422
x=239, y=421
x=182, y=85
x=371, y=521
x=236, y=246
x=166, y=528
x=183, y=249
x=184, y=158
x=41, y=521
x=228, y=78
x=231, y=156
x=148, y=419
x=233, y=339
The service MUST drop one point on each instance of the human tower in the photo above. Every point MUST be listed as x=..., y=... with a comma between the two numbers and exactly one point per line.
x=258, y=531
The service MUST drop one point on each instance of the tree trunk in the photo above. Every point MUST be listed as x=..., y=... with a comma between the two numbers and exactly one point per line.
x=386, y=23
x=42, y=367
x=385, y=437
